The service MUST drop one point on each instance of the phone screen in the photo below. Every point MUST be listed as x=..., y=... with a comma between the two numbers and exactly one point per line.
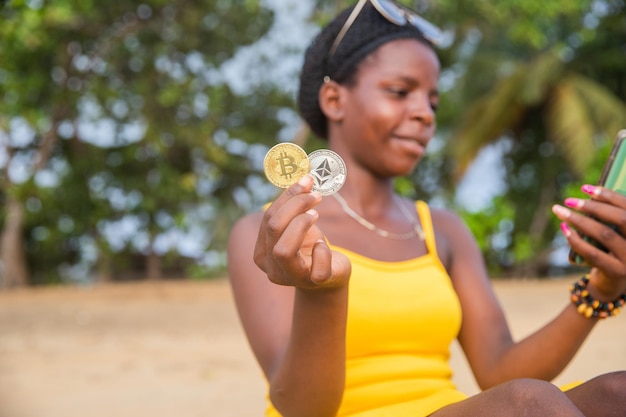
x=616, y=175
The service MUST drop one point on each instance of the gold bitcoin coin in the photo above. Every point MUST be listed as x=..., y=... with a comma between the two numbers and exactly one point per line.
x=285, y=164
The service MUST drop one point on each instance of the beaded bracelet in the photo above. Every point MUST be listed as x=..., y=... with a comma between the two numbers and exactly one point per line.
x=589, y=306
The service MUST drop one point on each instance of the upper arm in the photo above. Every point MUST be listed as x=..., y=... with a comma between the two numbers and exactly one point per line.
x=484, y=331
x=264, y=308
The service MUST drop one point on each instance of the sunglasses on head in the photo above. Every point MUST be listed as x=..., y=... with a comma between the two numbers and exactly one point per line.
x=394, y=13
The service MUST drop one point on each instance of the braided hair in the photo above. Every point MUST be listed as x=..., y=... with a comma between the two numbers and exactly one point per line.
x=369, y=31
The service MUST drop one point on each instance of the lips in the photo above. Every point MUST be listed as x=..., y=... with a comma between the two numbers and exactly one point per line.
x=412, y=145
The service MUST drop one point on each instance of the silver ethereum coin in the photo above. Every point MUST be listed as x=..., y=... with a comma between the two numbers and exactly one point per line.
x=328, y=170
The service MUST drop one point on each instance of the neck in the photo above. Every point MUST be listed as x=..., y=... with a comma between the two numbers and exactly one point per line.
x=371, y=198
x=365, y=191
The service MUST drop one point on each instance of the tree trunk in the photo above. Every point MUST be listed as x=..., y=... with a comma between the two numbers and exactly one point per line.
x=153, y=266
x=103, y=268
x=14, y=271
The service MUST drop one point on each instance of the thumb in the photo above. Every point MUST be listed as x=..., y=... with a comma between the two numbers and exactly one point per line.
x=329, y=268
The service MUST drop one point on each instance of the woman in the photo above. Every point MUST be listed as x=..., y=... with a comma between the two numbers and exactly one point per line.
x=350, y=301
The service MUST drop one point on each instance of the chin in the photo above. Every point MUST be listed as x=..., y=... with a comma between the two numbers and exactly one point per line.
x=411, y=166
x=400, y=170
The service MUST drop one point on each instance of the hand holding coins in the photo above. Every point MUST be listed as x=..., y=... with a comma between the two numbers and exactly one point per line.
x=286, y=163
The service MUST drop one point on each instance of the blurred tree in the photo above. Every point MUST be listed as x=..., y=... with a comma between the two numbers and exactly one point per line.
x=141, y=81
x=552, y=89
x=131, y=132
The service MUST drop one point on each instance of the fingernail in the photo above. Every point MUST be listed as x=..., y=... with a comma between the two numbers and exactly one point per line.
x=574, y=202
x=561, y=211
x=591, y=189
x=566, y=230
x=305, y=181
x=312, y=212
x=316, y=194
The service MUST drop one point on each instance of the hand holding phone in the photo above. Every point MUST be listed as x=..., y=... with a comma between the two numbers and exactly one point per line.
x=613, y=177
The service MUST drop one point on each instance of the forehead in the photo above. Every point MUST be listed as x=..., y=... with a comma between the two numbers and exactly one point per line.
x=402, y=57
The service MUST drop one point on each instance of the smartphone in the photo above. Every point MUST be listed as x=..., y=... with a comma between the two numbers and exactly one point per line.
x=613, y=177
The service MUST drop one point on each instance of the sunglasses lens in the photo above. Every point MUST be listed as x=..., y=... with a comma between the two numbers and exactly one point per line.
x=400, y=16
x=430, y=31
x=390, y=11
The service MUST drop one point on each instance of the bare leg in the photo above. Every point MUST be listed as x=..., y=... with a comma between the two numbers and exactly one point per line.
x=603, y=396
x=518, y=398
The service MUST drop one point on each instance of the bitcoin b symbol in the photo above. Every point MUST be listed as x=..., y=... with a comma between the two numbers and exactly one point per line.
x=287, y=165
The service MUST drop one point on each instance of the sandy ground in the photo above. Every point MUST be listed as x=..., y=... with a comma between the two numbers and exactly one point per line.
x=177, y=349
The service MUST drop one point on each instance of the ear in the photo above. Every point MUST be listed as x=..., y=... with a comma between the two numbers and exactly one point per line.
x=331, y=100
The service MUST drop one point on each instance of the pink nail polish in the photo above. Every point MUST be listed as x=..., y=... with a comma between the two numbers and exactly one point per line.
x=566, y=230
x=561, y=211
x=588, y=189
x=574, y=202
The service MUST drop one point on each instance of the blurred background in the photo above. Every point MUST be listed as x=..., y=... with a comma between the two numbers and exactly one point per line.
x=132, y=133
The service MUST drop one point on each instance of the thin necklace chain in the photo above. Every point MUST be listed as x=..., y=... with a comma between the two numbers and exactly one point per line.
x=417, y=230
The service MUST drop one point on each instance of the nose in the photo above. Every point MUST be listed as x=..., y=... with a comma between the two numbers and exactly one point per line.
x=420, y=109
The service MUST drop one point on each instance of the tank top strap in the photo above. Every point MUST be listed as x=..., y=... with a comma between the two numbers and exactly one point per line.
x=423, y=211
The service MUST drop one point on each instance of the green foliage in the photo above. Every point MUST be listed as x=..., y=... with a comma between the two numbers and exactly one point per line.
x=592, y=175
x=546, y=82
x=140, y=81
x=124, y=113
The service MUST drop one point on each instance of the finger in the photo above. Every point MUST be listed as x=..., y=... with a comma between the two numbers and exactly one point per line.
x=610, y=264
x=303, y=186
x=599, y=193
x=330, y=269
x=321, y=263
x=289, y=217
x=607, y=212
x=291, y=254
x=616, y=200
x=277, y=223
x=589, y=226
x=295, y=200
x=342, y=268
x=292, y=203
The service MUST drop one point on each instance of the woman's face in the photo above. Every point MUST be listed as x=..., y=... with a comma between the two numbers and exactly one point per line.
x=389, y=113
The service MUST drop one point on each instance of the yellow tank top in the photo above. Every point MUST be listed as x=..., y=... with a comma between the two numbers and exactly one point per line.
x=402, y=317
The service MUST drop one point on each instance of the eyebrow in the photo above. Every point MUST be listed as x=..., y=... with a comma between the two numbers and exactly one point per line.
x=412, y=81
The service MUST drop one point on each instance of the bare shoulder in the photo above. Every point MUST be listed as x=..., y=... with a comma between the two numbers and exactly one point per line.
x=453, y=237
x=245, y=230
x=247, y=225
x=444, y=219
x=449, y=226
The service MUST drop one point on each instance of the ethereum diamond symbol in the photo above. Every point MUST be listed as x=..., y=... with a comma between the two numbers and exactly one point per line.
x=322, y=173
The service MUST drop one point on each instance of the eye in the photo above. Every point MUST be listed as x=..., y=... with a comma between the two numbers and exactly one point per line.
x=398, y=91
x=434, y=101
